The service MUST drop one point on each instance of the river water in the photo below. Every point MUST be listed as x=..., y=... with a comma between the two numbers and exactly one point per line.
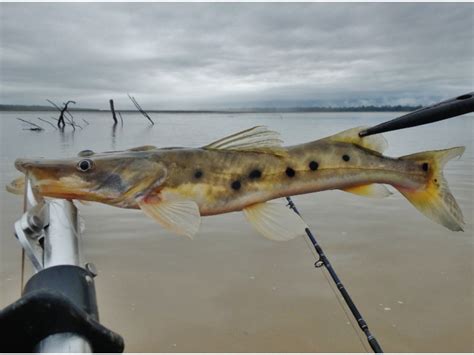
x=230, y=290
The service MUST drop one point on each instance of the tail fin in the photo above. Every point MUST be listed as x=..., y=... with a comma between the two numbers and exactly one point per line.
x=435, y=200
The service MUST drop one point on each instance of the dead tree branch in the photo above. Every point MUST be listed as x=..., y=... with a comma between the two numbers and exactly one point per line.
x=34, y=127
x=63, y=112
x=139, y=108
x=114, y=116
x=47, y=122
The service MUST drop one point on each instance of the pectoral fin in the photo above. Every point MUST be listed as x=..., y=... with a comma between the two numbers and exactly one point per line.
x=179, y=216
x=369, y=190
x=275, y=221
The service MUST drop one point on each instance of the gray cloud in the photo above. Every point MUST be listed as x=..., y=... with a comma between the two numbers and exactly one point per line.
x=230, y=55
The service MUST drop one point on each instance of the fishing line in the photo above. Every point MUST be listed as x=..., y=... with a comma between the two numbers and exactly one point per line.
x=22, y=273
x=25, y=210
x=324, y=261
x=344, y=309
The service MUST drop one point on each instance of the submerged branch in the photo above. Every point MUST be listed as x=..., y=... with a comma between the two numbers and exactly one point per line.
x=139, y=108
x=35, y=126
x=47, y=122
x=112, y=109
x=63, y=112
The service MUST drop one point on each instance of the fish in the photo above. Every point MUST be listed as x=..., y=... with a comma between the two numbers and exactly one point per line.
x=247, y=171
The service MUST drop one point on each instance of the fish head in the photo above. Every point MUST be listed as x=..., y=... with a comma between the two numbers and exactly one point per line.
x=115, y=178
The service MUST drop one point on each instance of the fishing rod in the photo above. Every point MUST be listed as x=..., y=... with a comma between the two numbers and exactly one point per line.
x=440, y=111
x=324, y=261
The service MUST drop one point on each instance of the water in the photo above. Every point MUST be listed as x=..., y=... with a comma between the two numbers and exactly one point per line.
x=230, y=290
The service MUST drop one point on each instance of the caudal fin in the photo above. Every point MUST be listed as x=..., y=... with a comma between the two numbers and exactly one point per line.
x=434, y=199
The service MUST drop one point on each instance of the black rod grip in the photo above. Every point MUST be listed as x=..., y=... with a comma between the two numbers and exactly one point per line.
x=437, y=112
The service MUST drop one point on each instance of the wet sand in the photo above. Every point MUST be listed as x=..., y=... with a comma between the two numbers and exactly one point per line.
x=230, y=290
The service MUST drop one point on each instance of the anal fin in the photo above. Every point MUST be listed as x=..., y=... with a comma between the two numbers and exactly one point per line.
x=275, y=221
x=369, y=190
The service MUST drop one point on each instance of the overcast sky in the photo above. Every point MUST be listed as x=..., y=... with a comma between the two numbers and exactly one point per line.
x=189, y=56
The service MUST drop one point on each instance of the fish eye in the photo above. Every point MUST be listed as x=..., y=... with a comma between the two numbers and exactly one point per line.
x=85, y=165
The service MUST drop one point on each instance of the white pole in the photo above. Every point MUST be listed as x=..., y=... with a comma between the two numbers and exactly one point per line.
x=62, y=246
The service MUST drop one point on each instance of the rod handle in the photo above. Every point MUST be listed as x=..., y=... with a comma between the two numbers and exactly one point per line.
x=440, y=111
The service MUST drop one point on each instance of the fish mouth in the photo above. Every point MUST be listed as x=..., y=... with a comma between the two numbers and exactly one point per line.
x=17, y=186
x=54, y=178
x=23, y=165
x=47, y=176
x=27, y=165
x=40, y=165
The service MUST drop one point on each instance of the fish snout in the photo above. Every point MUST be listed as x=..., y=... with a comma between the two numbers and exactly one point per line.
x=39, y=165
x=24, y=165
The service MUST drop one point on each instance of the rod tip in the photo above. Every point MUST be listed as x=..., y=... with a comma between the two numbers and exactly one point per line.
x=363, y=133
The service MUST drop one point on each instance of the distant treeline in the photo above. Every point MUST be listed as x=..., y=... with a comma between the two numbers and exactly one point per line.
x=38, y=108
x=385, y=108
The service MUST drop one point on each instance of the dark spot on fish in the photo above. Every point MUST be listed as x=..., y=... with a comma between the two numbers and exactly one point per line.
x=198, y=174
x=313, y=165
x=255, y=174
x=290, y=172
x=345, y=157
x=435, y=180
x=425, y=166
x=236, y=185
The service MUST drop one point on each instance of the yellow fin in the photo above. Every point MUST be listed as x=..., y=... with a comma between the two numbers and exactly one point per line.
x=369, y=190
x=376, y=142
x=179, y=216
x=434, y=199
x=275, y=221
x=257, y=139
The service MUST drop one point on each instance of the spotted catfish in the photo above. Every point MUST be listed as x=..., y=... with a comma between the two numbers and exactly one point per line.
x=245, y=172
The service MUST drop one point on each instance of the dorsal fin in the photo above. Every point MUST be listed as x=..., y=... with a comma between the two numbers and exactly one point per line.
x=376, y=142
x=256, y=139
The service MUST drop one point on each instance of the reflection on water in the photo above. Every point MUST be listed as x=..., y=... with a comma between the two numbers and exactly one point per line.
x=230, y=290
x=67, y=136
x=113, y=135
